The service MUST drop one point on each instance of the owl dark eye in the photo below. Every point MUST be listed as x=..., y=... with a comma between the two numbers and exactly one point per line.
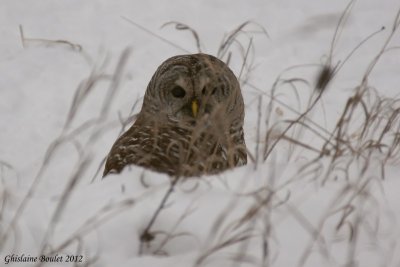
x=214, y=91
x=178, y=92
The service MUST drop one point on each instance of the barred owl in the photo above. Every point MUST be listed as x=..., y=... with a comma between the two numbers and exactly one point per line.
x=190, y=123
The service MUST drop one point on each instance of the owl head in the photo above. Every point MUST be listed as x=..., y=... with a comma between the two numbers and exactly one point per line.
x=186, y=88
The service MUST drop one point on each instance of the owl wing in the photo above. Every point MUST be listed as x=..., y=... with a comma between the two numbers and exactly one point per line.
x=145, y=146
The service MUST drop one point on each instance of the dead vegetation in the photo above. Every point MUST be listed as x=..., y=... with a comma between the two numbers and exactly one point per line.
x=366, y=135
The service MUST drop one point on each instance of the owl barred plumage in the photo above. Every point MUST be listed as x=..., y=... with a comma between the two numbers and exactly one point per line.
x=191, y=121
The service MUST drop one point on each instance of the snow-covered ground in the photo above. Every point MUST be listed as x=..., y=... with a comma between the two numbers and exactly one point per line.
x=71, y=71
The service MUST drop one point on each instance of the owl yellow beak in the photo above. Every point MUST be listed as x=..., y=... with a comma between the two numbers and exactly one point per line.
x=195, y=107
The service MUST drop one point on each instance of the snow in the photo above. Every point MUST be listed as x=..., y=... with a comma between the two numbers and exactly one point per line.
x=294, y=209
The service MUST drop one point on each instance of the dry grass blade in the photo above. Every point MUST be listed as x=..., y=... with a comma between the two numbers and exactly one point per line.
x=258, y=132
x=103, y=215
x=147, y=236
x=245, y=59
x=67, y=137
x=232, y=240
x=25, y=41
x=231, y=37
x=183, y=27
x=86, y=157
x=340, y=26
x=155, y=35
